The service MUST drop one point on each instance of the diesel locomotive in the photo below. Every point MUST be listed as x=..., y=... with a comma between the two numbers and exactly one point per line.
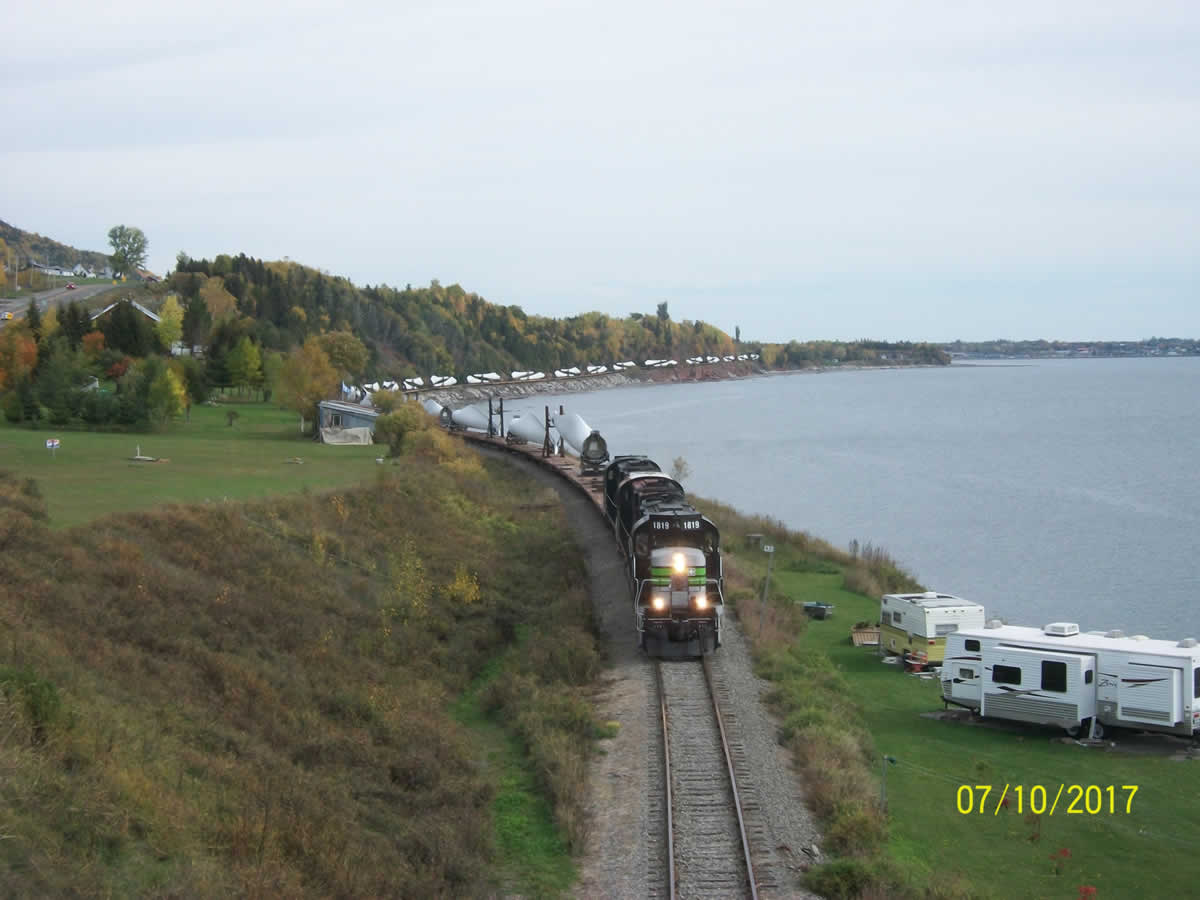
x=673, y=558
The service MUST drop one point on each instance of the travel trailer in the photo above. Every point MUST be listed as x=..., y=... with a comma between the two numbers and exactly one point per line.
x=1081, y=682
x=918, y=623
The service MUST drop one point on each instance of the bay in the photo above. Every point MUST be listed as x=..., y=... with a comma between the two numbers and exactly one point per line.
x=1058, y=490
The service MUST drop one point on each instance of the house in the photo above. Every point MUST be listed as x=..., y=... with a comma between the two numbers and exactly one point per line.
x=144, y=275
x=152, y=316
x=346, y=423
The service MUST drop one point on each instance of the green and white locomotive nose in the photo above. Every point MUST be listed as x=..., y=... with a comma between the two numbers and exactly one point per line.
x=678, y=579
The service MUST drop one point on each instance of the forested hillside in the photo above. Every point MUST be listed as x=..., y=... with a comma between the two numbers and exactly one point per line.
x=46, y=251
x=445, y=329
x=430, y=329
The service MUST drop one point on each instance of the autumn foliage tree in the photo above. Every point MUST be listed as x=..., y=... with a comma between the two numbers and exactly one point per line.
x=347, y=353
x=170, y=322
x=244, y=364
x=306, y=378
x=18, y=353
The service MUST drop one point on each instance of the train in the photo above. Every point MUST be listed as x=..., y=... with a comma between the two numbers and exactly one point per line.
x=672, y=551
x=673, y=559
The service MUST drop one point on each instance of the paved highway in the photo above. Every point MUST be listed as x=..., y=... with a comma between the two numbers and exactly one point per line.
x=45, y=299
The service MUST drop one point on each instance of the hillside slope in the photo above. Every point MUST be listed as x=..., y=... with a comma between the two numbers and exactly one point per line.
x=47, y=251
x=255, y=699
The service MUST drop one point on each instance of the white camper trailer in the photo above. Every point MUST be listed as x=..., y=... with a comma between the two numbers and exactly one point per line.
x=918, y=623
x=1080, y=682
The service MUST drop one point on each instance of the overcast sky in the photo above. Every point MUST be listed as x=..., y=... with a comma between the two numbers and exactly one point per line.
x=904, y=171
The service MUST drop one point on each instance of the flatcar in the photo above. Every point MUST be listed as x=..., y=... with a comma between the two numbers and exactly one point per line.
x=673, y=558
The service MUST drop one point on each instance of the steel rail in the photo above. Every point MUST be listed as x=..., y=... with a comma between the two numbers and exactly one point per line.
x=662, y=704
x=737, y=799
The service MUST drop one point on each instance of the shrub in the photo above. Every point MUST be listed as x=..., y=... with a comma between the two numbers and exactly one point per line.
x=392, y=428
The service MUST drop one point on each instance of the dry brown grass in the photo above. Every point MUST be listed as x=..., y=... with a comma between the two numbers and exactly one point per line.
x=254, y=696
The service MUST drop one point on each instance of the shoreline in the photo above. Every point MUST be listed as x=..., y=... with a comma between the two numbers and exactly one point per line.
x=468, y=394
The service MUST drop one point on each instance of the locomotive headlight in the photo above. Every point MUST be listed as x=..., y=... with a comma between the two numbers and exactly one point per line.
x=659, y=603
x=702, y=601
x=679, y=562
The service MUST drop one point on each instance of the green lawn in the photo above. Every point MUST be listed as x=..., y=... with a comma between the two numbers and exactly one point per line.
x=533, y=858
x=91, y=474
x=1148, y=852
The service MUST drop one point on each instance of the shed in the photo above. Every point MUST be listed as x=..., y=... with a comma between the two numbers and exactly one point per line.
x=346, y=423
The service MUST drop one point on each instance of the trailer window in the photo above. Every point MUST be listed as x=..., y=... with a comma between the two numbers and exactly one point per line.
x=966, y=673
x=972, y=645
x=940, y=630
x=1087, y=676
x=886, y=619
x=1196, y=684
x=896, y=618
x=1054, y=676
x=1006, y=674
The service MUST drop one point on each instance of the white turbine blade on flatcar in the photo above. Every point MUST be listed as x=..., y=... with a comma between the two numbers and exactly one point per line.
x=470, y=417
x=574, y=430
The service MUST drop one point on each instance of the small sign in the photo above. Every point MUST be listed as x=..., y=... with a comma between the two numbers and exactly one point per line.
x=768, y=548
x=51, y=443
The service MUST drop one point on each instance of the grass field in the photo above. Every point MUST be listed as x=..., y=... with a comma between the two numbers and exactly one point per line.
x=91, y=474
x=1147, y=851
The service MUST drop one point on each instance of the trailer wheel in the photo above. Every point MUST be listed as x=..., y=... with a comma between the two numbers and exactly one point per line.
x=1099, y=732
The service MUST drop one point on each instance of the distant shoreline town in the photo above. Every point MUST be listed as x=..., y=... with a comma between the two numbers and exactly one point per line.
x=1071, y=349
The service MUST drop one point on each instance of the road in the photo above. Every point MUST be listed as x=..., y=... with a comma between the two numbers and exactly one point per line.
x=17, y=306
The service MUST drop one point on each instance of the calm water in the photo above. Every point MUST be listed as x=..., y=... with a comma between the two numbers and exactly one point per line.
x=1056, y=490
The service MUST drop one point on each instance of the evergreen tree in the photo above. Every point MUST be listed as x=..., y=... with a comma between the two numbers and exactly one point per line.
x=197, y=321
x=33, y=317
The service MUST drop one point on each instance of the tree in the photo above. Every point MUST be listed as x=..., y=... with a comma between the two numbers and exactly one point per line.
x=197, y=321
x=165, y=394
x=272, y=365
x=680, y=469
x=33, y=318
x=129, y=249
x=244, y=364
x=18, y=353
x=306, y=378
x=50, y=321
x=221, y=304
x=126, y=329
x=392, y=428
x=170, y=322
x=75, y=324
x=346, y=352
x=737, y=334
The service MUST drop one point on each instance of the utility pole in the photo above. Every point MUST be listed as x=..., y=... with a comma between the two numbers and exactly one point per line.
x=768, y=549
x=883, y=782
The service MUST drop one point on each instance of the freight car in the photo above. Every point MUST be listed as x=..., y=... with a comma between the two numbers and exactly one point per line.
x=673, y=557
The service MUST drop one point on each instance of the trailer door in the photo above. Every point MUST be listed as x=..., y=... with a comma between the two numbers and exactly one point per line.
x=1150, y=694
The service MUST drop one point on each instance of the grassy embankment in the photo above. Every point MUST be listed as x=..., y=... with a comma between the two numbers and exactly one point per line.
x=292, y=696
x=843, y=711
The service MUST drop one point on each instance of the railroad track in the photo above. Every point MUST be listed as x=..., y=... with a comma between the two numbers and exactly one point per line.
x=708, y=851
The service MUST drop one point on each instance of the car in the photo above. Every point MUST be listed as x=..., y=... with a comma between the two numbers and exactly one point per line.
x=70, y=285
